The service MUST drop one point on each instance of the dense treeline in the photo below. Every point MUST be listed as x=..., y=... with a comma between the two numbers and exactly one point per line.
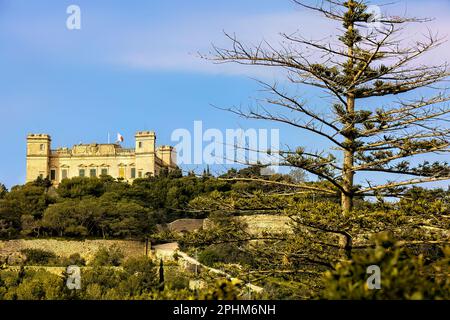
x=107, y=208
x=326, y=255
x=109, y=275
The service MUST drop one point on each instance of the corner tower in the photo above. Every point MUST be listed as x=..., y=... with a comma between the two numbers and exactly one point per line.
x=38, y=156
x=145, y=153
x=168, y=156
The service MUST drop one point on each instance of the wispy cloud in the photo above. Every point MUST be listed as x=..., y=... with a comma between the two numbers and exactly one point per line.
x=176, y=48
x=173, y=45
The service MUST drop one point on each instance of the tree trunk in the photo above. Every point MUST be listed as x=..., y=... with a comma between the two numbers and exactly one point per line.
x=348, y=175
x=347, y=172
x=347, y=168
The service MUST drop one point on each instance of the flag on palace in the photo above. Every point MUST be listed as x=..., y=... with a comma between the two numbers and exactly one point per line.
x=119, y=137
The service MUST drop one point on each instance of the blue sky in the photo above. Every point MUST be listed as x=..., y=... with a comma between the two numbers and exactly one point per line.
x=134, y=66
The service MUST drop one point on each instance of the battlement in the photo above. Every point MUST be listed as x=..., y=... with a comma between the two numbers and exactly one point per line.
x=40, y=136
x=165, y=148
x=167, y=155
x=145, y=134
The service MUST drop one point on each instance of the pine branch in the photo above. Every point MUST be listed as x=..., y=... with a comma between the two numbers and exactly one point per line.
x=281, y=183
x=402, y=183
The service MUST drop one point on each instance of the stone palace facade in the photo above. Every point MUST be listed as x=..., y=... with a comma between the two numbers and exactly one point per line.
x=93, y=160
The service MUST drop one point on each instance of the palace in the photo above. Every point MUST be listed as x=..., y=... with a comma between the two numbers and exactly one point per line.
x=93, y=160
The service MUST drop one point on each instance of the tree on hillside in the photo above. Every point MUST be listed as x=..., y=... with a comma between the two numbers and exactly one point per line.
x=367, y=60
x=3, y=190
x=374, y=125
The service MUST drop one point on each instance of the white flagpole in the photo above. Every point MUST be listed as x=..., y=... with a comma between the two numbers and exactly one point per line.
x=108, y=139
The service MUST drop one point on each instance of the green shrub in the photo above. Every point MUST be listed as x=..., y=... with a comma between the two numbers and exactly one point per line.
x=178, y=282
x=141, y=275
x=38, y=256
x=74, y=259
x=108, y=257
x=226, y=253
x=33, y=285
x=402, y=275
x=209, y=257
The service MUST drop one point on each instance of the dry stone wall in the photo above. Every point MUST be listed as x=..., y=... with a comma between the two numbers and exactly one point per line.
x=260, y=224
x=65, y=248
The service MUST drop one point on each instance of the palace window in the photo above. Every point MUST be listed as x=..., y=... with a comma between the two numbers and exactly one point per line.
x=133, y=173
x=64, y=174
x=53, y=174
x=121, y=172
x=140, y=144
x=81, y=173
x=92, y=172
x=41, y=147
x=104, y=172
x=140, y=174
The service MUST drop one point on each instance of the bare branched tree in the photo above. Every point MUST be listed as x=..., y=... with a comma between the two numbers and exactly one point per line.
x=367, y=60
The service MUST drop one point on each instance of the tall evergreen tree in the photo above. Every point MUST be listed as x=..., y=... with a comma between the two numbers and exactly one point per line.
x=367, y=60
x=161, y=275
